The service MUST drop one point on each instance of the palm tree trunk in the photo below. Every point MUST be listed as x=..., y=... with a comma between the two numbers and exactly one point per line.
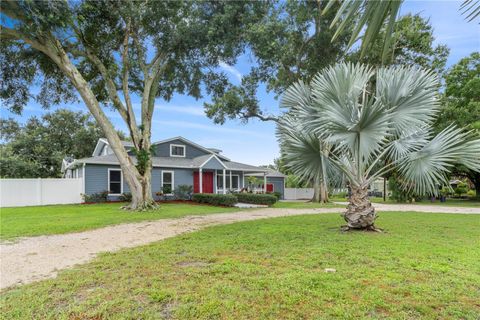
x=360, y=213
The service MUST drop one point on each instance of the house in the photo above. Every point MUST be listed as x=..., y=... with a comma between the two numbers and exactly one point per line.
x=176, y=161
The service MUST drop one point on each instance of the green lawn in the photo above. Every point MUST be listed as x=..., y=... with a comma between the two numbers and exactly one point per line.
x=467, y=203
x=425, y=266
x=43, y=220
x=305, y=205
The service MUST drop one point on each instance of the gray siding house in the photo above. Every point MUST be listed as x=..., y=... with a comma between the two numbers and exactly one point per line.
x=176, y=161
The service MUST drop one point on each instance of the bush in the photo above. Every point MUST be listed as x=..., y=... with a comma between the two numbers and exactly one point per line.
x=227, y=200
x=183, y=192
x=96, y=197
x=266, y=199
x=471, y=193
x=126, y=196
x=277, y=194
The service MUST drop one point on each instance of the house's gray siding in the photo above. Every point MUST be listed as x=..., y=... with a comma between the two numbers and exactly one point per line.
x=180, y=177
x=213, y=164
x=163, y=149
x=96, y=179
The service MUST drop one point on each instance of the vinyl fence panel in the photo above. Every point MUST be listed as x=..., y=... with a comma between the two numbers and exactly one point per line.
x=35, y=192
x=298, y=193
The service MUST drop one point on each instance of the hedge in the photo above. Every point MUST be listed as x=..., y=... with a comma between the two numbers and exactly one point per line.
x=267, y=199
x=227, y=200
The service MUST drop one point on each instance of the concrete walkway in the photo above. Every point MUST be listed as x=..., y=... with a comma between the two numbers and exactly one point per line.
x=38, y=258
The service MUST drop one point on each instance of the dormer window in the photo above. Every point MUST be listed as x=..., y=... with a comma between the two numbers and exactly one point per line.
x=177, y=150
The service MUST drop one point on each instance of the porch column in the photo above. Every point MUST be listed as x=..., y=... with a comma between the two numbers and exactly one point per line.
x=243, y=180
x=224, y=181
x=215, y=183
x=231, y=187
x=200, y=179
x=264, y=183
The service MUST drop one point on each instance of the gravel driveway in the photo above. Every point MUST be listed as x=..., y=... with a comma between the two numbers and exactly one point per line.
x=37, y=258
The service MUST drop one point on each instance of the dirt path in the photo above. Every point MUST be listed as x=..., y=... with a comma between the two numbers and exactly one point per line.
x=38, y=258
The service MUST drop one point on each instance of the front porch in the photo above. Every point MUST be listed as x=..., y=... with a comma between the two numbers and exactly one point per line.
x=214, y=180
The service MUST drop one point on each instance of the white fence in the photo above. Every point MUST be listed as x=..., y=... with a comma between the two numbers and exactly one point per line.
x=298, y=193
x=34, y=192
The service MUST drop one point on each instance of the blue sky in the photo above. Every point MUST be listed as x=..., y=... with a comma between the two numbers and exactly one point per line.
x=255, y=142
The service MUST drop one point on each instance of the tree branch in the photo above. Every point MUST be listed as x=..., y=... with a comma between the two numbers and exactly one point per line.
x=111, y=86
x=8, y=34
x=259, y=116
x=126, y=91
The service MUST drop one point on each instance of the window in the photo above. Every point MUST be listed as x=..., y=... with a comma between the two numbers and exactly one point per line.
x=177, y=150
x=115, y=185
x=235, y=181
x=167, y=182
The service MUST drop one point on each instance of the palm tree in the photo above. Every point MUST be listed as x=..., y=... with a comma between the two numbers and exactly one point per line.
x=370, y=16
x=307, y=156
x=377, y=122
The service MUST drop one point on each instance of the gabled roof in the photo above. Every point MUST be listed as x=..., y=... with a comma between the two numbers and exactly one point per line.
x=103, y=141
x=208, y=150
x=169, y=162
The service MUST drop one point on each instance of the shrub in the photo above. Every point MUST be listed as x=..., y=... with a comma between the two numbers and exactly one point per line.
x=266, y=199
x=471, y=193
x=277, y=194
x=96, y=197
x=183, y=192
x=227, y=200
x=126, y=196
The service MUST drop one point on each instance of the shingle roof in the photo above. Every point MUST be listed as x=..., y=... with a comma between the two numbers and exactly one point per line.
x=174, y=162
x=270, y=173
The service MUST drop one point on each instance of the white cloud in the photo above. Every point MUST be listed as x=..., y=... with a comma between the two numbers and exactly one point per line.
x=191, y=110
x=231, y=70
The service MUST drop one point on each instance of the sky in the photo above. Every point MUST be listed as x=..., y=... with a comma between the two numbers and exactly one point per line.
x=255, y=142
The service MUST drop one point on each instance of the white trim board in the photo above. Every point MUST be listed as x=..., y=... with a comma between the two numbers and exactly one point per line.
x=173, y=180
x=121, y=182
x=176, y=155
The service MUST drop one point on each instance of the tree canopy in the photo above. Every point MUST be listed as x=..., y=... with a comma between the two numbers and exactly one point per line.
x=109, y=52
x=36, y=148
x=292, y=41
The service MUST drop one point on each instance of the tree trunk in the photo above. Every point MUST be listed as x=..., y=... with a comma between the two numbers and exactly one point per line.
x=139, y=184
x=360, y=213
x=475, y=178
x=320, y=192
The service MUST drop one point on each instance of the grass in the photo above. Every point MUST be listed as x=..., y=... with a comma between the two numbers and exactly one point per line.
x=466, y=203
x=58, y=219
x=305, y=205
x=425, y=266
x=45, y=220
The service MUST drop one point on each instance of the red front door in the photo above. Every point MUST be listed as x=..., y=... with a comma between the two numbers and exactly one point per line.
x=270, y=187
x=207, y=182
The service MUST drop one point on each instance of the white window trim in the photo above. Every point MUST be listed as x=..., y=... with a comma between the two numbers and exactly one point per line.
x=228, y=181
x=173, y=181
x=178, y=145
x=121, y=182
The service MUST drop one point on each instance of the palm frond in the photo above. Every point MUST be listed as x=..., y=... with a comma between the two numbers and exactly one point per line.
x=410, y=95
x=425, y=170
x=470, y=9
x=304, y=153
x=370, y=16
x=297, y=95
